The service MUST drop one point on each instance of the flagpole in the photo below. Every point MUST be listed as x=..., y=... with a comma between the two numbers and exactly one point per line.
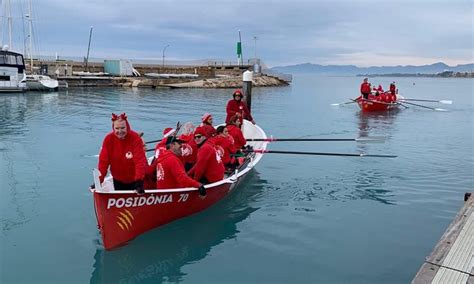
x=239, y=50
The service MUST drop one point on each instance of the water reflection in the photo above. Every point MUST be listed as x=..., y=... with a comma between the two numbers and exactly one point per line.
x=375, y=121
x=370, y=182
x=16, y=109
x=159, y=255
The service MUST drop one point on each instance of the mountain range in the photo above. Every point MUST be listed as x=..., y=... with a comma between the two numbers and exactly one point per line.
x=354, y=70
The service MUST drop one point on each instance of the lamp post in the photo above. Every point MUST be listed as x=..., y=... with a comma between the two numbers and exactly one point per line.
x=255, y=39
x=163, y=63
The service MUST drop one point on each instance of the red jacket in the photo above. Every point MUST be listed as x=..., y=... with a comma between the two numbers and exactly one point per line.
x=209, y=129
x=126, y=157
x=170, y=172
x=365, y=88
x=237, y=135
x=234, y=107
x=189, y=157
x=392, y=89
x=209, y=164
x=227, y=147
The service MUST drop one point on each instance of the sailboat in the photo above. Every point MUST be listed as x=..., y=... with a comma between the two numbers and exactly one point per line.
x=36, y=82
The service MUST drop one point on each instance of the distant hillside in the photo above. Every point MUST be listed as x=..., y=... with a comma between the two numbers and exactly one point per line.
x=354, y=70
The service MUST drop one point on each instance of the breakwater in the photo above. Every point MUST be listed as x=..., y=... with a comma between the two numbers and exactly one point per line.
x=76, y=74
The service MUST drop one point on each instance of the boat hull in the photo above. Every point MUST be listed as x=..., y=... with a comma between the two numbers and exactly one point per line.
x=373, y=105
x=124, y=215
x=41, y=83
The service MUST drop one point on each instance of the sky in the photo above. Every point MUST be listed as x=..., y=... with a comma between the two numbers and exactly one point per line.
x=328, y=32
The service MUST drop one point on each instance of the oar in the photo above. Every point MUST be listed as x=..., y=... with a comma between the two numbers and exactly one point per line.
x=176, y=130
x=345, y=103
x=446, y=102
x=319, y=153
x=361, y=139
x=432, y=108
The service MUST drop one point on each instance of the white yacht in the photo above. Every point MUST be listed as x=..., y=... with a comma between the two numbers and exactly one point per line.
x=12, y=72
x=41, y=83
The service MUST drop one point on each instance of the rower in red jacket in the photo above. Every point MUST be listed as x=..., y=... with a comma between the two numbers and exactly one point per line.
x=206, y=124
x=365, y=88
x=209, y=167
x=122, y=150
x=239, y=108
x=236, y=133
x=170, y=169
x=226, y=142
x=150, y=174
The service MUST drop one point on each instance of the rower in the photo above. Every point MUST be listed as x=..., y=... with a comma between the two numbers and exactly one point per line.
x=206, y=124
x=233, y=126
x=170, y=169
x=209, y=167
x=226, y=142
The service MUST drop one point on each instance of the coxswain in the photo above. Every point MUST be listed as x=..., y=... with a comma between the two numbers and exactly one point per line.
x=209, y=167
x=170, y=171
x=206, y=124
x=365, y=88
x=393, y=91
x=239, y=108
x=122, y=150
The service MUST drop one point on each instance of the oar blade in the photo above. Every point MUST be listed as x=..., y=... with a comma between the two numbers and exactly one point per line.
x=446, y=102
x=373, y=139
x=440, y=109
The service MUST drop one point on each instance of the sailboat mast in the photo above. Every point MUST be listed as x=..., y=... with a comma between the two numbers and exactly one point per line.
x=31, y=35
x=9, y=20
x=88, y=47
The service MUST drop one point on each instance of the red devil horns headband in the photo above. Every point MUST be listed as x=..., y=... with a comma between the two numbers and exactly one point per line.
x=122, y=116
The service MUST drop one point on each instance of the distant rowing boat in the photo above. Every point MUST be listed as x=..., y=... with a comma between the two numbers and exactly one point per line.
x=124, y=215
x=375, y=104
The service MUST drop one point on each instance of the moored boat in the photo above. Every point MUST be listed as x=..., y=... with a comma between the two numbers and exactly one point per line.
x=124, y=215
x=12, y=70
x=41, y=83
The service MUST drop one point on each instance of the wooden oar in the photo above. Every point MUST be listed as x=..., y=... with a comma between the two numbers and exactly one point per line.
x=446, y=102
x=319, y=153
x=432, y=108
x=362, y=139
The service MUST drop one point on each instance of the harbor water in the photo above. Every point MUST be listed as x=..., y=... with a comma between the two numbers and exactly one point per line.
x=295, y=219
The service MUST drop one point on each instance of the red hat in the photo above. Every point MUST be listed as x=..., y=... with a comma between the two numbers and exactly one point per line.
x=168, y=131
x=200, y=131
x=206, y=116
x=122, y=116
x=237, y=92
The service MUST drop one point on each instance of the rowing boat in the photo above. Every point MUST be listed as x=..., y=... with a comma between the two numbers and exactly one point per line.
x=124, y=215
x=374, y=103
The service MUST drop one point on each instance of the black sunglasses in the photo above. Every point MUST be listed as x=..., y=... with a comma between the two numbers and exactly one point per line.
x=197, y=136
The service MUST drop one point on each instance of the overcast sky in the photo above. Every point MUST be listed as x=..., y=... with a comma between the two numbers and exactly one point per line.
x=363, y=33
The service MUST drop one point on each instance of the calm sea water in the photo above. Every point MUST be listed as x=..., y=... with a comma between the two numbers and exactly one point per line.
x=296, y=219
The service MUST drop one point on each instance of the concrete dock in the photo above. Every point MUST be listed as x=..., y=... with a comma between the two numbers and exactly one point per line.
x=452, y=259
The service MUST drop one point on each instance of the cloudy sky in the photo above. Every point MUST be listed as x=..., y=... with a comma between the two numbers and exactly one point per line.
x=363, y=33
